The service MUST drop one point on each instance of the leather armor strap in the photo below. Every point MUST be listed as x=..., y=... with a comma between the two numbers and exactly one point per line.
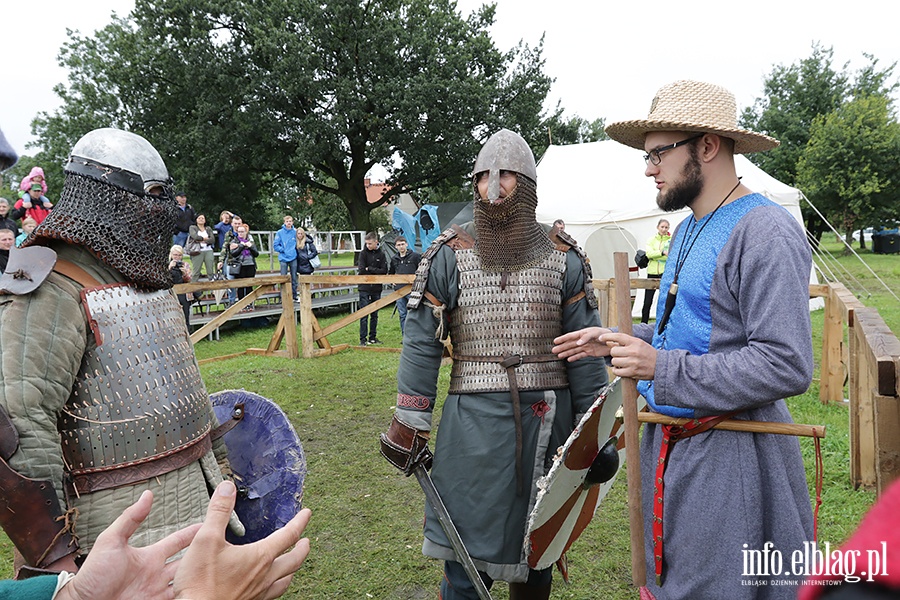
x=237, y=415
x=510, y=367
x=75, y=273
x=574, y=298
x=461, y=240
x=29, y=510
x=122, y=476
x=671, y=434
x=517, y=359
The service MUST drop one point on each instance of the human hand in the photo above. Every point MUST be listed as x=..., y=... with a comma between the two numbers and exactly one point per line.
x=631, y=356
x=113, y=569
x=213, y=569
x=26, y=203
x=580, y=344
x=233, y=245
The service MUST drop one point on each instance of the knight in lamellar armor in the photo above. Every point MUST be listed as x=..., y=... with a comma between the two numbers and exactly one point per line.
x=100, y=394
x=494, y=294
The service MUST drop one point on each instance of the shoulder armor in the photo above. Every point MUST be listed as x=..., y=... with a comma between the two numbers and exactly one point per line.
x=565, y=242
x=455, y=238
x=27, y=269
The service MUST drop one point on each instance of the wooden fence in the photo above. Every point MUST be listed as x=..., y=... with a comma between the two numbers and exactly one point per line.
x=858, y=350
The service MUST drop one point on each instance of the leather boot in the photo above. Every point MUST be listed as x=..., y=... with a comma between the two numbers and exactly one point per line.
x=520, y=591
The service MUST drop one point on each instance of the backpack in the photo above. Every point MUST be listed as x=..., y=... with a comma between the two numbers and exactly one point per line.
x=641, y=260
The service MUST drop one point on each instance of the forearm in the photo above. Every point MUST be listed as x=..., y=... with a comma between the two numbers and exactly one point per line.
x=420, y=363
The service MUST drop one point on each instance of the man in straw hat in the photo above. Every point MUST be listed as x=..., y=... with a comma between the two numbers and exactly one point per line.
x=732, y=339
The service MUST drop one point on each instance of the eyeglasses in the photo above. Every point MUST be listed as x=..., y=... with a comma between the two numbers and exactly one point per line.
x=654, y=156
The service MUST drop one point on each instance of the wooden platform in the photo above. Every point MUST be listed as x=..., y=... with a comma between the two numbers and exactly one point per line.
x=269, y=305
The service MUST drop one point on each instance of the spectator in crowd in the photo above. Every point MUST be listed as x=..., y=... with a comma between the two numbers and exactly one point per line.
x=372, y=261
x=184, y=219
x=222, y=227
x=36, y=175
x=181, y=274
x=285, y=245
x=306, y=252
x=657, y=253
x=6, y=242
x=28, y=225
x=201, y=239
x=559, y=224
x=33, y=204
x=5, y=221
x=236, y=221
x=405, y=262
x=242, y=259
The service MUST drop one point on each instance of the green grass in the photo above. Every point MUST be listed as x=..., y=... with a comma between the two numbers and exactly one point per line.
x=366, y=529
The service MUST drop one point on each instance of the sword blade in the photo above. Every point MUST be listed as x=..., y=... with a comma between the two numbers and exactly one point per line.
x=459, y=548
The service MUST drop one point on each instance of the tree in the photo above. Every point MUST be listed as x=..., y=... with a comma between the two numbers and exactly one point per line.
x=849, y=168
x=573, y=130
x=795, y=97
x=243, y=96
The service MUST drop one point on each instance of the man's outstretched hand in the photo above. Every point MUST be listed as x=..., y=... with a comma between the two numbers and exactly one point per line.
x=113, y=569
x=213, y=569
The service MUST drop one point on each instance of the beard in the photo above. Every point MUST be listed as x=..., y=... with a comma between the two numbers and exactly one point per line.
x=687, y=190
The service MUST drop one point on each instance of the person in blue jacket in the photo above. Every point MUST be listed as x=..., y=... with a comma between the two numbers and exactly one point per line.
x=286, y=247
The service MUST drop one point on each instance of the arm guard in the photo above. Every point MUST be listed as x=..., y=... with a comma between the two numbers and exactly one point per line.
x=29, y=509
x=405, y=447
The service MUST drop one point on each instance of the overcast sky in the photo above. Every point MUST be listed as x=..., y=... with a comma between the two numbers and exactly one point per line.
x=608, y=58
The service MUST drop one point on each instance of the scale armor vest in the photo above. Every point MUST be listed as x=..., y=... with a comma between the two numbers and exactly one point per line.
x=138, y=395
x=522, y=318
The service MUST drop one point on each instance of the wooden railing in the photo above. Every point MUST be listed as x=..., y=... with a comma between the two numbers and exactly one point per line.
x=858, y=350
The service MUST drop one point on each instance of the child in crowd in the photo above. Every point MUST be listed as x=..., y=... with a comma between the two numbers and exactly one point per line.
x=28, y=225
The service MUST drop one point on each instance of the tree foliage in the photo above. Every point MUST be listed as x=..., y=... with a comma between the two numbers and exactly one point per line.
x=793, y=96
x=245, y=97
x=815, y=111
x=851, y=165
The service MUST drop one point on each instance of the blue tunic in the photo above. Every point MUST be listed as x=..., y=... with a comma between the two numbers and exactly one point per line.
x=738, y=339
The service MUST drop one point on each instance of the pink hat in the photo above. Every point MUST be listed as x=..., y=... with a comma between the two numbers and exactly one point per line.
x=25, y=185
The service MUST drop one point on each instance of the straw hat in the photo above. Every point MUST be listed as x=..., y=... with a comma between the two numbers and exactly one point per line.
x=692, y=106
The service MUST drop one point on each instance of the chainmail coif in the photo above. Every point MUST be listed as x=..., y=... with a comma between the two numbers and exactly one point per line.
x=129, y=231
x=508, y=236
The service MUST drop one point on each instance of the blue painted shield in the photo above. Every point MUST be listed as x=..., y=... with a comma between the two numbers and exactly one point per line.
x=267, y=460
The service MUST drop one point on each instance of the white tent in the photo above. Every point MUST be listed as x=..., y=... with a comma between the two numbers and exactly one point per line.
x=600, y=191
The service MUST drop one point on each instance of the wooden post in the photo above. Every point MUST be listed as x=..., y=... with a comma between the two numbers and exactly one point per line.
x=632, y=442
x=853, y=392
x=612, y=295
x=887, y=440
x=289, y=318
x=306, y=319
x=831, y=382
x=863, y=390
x=878, y=351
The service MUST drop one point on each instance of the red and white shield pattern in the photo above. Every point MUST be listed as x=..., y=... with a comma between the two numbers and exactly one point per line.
x=564, y=507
